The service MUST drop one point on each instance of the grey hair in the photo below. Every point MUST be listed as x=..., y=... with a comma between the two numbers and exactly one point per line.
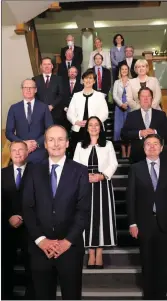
x=56, y=126
x=22, y=83
x=129, y=46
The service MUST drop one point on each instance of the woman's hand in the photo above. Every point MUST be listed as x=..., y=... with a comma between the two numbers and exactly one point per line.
x=81, y=123
x=124, y=106
x=93, y=178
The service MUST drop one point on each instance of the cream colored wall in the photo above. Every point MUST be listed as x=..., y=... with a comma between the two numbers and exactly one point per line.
x=16, y=67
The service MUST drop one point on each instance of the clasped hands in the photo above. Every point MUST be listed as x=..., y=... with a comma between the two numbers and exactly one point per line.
x=54, y=248
x=95, y=177
x=32, y=145
x=146, y=132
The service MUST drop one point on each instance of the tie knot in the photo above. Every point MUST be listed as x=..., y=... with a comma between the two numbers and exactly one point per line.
x=19, y=169
x=153, y=164
x=54, y=166
x=29, y=104
x=47, y=76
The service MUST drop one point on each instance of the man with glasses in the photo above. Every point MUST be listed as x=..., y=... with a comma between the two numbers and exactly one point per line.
x=27, y=121
x=147, y=212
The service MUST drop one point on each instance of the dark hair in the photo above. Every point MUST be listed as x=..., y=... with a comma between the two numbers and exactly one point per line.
x=102, y=138
x=114, y=39
x=154, y=136
x=97, y=55
x=89, y=72
x=46, y=58
x=54, y=126
x=145, y=89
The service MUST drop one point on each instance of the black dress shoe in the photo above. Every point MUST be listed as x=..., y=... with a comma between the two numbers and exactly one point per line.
x=99, y=267
x=91, y=266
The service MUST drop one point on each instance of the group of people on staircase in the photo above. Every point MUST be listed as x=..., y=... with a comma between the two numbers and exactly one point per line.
x=55, y=202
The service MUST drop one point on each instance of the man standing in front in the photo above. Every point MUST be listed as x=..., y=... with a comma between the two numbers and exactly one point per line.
x=56, y=204
x=147, y=212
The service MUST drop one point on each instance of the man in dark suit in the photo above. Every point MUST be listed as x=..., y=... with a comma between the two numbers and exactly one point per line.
x=143, y=122
x=27, y=120
x=71, y=86
x=103, y=80
x=78, y=56
x=56, y=204
x=14, y=234
x=129, y=60
x=50, y=90
x=65, y=65
x=147, y=212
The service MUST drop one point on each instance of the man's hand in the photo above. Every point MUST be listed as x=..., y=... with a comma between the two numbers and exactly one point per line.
x=62, y=247
x=49, y=247
x=50, y=107
x=134, y=231
x=15, y=221
x=144, y=133
x=31, y=144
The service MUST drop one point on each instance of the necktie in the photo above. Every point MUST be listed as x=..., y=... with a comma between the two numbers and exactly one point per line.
x=47, y=81
x=29, y=112
x=154, y=179
x=99, y=79
x=71, y=87
x=68, y=65
x=147, y=120
x=54, y=179
x=18, y=178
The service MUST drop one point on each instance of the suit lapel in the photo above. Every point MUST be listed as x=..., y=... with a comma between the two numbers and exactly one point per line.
x=65, y=175
x=146, y=175
x=142, y=125
x=42, y=82
x=152, y=123
x=35, y=112
x=45, y=173
x=11, y=178
x=24, y=119
x=162, y=174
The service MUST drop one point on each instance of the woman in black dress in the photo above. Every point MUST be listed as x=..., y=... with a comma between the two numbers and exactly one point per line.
x=99, y=155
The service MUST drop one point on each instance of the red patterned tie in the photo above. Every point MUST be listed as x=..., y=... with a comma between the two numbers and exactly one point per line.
x=71, y=87
x=99, y=79
x=47, y=81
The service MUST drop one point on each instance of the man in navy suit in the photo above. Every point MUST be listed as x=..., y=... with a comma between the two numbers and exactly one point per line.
x=56, y=203
x=78, y=55
x=27, y=121
x=65, y=65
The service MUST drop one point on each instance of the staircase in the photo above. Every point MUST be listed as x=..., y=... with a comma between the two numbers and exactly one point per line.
x=121, y=277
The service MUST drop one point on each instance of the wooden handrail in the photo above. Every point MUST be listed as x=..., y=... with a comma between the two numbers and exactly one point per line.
x=5, y=150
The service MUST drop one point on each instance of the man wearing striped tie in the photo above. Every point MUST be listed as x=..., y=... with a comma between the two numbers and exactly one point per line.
x=13, y=229
x=147, y=212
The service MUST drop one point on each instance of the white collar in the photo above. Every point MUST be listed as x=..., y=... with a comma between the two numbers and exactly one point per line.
x=31, y=101
x=22, y=167
x=149, y=110
x=150, y=161
x=45, y=75
x=60, y=162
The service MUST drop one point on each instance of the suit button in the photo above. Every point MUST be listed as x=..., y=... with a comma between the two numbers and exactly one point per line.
x=53, y=228
x=54, y=212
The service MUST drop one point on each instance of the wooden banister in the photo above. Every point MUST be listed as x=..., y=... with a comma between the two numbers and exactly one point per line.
x=5, y=150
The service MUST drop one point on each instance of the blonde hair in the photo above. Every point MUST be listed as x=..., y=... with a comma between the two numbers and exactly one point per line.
x=97, y=38
x=129, y=74
x=141, y=62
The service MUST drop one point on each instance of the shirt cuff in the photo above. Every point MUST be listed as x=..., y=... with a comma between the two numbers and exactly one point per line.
x=133, y=225
x=140, y=136
x=39, y=239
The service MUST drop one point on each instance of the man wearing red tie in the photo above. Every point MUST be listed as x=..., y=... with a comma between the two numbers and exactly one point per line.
x=103, y=82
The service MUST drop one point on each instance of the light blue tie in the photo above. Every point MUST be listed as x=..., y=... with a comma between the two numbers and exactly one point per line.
x=154, y=179
x=54, y=179
x=147, y=120
x=18, y=178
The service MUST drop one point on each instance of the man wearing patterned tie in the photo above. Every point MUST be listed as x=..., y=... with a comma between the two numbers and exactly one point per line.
x=27, y=121
x=103, y=81
x=147, y=212
x=13, y=230
x=143, y=122
x=56, y=204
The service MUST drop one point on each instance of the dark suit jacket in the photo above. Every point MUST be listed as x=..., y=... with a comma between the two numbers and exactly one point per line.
x=52, y=95
x=141, y=197
x=132, y=71
x=63, y=70
x=78, y=55
x=65, y=215
x=134, y=123
x=106, y=81
x=18, y=129
x=67, y=92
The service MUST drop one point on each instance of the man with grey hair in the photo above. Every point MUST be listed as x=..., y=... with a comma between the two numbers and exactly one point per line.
x=129, y=61
x=27, y=121
x=77, y=51
x=65, y=65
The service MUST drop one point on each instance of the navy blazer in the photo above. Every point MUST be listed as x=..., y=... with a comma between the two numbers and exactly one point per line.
x=18, y=129
x=62, y=216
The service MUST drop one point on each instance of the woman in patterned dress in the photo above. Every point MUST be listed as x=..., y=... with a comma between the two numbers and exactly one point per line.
x=99, y=155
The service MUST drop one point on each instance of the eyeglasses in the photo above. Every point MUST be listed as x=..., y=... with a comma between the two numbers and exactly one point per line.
x=28, y=88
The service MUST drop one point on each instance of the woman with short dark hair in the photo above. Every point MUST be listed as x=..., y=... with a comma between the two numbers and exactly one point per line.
x=83, y=105
x=99, y=155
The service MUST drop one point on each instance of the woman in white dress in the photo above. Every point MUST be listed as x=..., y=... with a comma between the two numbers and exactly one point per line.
x=106, y=55
x=99, y=155
x=143, y=80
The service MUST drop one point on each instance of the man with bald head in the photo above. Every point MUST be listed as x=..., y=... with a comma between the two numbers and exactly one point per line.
x=66, y=64
x=77, y=51
x=56, y=203
x=27, y=121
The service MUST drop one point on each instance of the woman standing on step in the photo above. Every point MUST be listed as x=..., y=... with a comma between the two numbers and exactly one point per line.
x=122, y=108
x=99, y=155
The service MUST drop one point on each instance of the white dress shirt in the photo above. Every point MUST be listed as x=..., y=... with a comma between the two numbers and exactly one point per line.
x=26, y=106
x=106, y=59
x=68, y=62
x=58, y=173
x=129, y=61
x=16, y=171
x=45, y=76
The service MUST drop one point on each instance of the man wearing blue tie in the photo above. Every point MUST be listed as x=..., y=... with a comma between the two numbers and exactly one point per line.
x=27, y=121
x=56, y=203
x=147, y=212
x=13, y=229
